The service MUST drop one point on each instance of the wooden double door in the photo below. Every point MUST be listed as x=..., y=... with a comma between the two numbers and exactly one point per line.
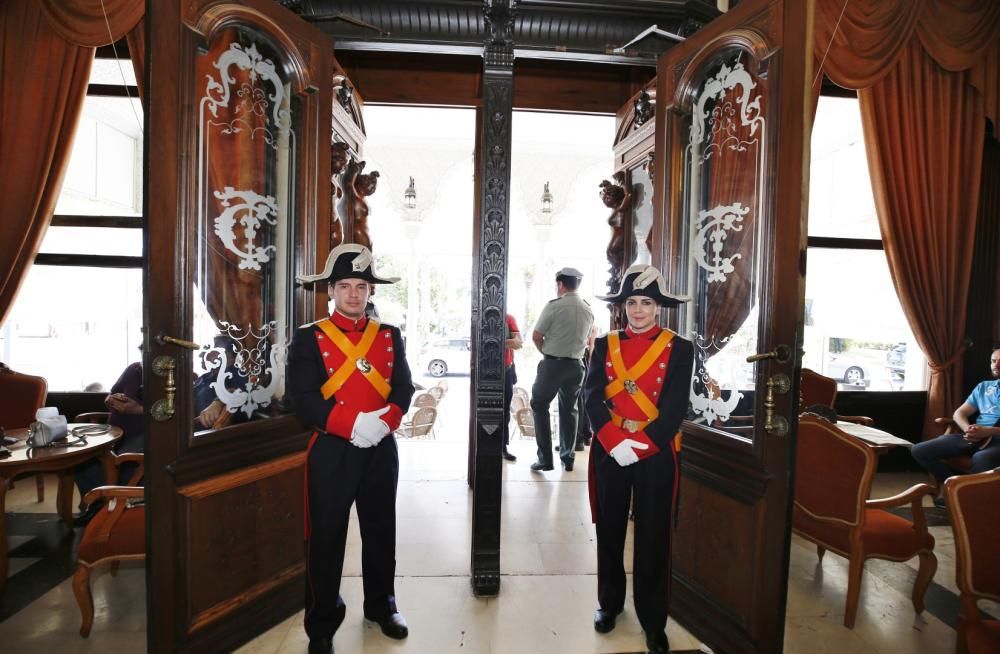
x=238, y=195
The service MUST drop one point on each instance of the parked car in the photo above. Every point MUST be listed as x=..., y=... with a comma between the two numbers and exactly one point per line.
x=446, y=355
x=849, y=370
x=896, y=357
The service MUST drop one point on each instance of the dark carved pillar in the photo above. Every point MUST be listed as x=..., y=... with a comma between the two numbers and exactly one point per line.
x=490, y=305
x=617, y=197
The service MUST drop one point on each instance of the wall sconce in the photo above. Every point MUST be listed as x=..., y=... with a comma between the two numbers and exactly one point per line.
x=546, y=199
x=410, y=196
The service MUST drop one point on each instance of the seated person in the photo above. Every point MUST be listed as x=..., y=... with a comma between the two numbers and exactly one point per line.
x=980, y=439
x=125, y=408
x=124, y=405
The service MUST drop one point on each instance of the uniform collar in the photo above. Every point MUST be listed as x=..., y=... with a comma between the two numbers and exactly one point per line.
x=348, y=324
x=648, y=335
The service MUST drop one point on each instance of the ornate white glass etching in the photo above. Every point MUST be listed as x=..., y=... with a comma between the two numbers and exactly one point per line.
x=252, y=99
x=712, y=227
x=722, y=201
x=246, y=181
x=253, y=211
x=253, y=359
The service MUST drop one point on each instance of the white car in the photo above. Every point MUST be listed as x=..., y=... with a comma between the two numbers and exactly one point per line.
x=848, y=370
x=446, y=355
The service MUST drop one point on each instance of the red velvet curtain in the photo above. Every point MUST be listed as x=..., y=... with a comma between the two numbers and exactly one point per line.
x=926, y=160
x=927, y=76
x=43, y=80
x=46, y=54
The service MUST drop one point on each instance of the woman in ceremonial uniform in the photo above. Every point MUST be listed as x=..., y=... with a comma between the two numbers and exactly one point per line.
x=636, y=394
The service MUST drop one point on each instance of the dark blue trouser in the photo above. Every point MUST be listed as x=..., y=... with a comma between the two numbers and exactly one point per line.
x=650, y=486
x=509, y=377
x=929, y=454
x=339, y=475
x=565, y=378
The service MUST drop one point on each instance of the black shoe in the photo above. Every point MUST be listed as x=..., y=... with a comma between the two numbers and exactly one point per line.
x=568, y=465
x=604, y=621
x=555, y=448
x=586, y=441
x=657, y=643
x=940, y=502
x=508, y=456
x=392, y=625
x=540, y=467
x=321, y=646
x=578, y=448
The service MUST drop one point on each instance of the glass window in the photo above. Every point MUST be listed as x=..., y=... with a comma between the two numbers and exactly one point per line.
x=859, y=337
x=110, y=241
x=75, y=326
x=79, y=327
x=838, y=163
x=862, y=339
x=104, y=176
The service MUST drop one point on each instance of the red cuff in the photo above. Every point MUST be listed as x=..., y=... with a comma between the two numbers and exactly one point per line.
x=393, y=417
x=643, y=438
x=611, y=436
x=340, y=422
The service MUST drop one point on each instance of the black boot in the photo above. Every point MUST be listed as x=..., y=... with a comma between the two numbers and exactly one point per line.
x=657, y=643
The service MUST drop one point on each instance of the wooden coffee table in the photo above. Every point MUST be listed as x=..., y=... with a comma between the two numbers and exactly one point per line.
x=60, y=460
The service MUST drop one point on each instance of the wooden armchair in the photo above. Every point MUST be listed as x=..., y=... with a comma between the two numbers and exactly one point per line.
x=833, y=479
x=815, y=388
x=973, y=502
x=20, y=397
x=116, y=533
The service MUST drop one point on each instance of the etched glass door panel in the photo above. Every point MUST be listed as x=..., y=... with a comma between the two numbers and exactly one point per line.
x=724, y=137
x=247, y=123
x=642, y=214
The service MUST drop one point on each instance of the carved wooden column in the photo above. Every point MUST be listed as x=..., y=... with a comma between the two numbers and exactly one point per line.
x=490, y=305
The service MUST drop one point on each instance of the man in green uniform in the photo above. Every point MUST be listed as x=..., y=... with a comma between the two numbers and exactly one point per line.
x=561, y=335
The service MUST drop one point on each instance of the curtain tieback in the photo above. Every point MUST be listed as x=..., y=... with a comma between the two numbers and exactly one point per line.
x=962, y=347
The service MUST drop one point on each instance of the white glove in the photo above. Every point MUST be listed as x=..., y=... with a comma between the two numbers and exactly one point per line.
x=624, y=452
x=369, y=429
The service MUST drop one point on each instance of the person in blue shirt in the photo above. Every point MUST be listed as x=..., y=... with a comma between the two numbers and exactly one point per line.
x=979, y=438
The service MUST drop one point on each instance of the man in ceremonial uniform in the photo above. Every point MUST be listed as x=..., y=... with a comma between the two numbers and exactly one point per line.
x=561, y=335
x=348, y=379
x=636, y=394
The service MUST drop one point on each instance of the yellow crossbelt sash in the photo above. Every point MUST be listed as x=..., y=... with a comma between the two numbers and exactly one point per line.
x=353, y=354
x=636, y=371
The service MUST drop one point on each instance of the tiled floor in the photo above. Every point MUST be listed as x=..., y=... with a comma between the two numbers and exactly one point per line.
x=548, y=586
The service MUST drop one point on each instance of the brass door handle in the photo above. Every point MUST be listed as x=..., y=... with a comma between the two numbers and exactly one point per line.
x=163, y=409
x=163, y=339
x=781, y=354
x=774, y=424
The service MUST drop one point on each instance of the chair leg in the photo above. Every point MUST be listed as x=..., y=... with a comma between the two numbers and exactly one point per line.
x=820, y=551
x=40, y=487
x=855, y=570
x=81, y=588
x=928, y=566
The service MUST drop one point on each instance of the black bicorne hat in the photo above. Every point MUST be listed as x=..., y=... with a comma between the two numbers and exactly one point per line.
x=348, y=261
x=646, y=281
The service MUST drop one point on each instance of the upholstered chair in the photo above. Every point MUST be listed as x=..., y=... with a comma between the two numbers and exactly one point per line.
x=116, y=533
x=833, y=479
x=20, y=397
x=974, y=503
